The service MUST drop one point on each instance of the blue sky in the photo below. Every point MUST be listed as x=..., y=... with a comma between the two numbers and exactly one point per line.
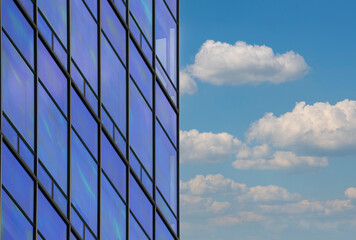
x=286, y=175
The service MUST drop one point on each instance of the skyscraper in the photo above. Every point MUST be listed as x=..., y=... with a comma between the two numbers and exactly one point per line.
x=89, y=124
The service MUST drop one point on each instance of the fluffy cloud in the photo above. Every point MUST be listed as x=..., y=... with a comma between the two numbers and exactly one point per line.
x=207, y=147
x=186, y=83
x=222, y=63
x=305, y=206
x=241, y=217
x=211, y=184
x=320, y=128
x=192, y=204
x=351, y=193
x=281, y=160
x=268, y=193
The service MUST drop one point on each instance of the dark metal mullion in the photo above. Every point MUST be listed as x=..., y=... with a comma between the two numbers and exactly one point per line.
x=1, y=114
x=52, y=178
x=142, y=34
x=112, y=120
x=69, y=122
x=169, y=99
x=24, y=12
x=84, y=79
x=117, y=149
x=178, y=133
x=89, y=10
x=84, y=144
x=99, y=113
x=128, y=167
x=35, y=15
x=154, y=118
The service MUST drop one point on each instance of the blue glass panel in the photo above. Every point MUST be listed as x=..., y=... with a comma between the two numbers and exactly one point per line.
x=52, y=77
x=92, y=4
x=113, y=213
x=18, y=98
x=84, y=123
x=162, y=231
x=84, y=42
x=166, y=114
x=114, y=29
x=9, y=132
x=14, y=225
x=72, y=236
x=136, y=232
x=28, y=5
x=59, y=198
x=21, y=186
x=120, y=5
x=52, y=138
x=19, y=29
x=88, y=235
x=113, y=166
x=167, y=213
x=147, y=182
x=141, y=206
x=55, y=11
x=142, y=11
x=166, y=165
x=141, y=128
x=141, y=73
x=48, y=218
x=166, y=82
x=166, y=40
x=135, y=164
x=44, y=178
x=84, y=176
x=172, y=6
x=113, y=82
x=26, y=154
x=120, y=141
x=77, y=222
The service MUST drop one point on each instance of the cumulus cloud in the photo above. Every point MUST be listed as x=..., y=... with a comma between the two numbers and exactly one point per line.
x=281, y=160
x=221, y=63
x=211, y=184
x=192, y=204
x=268, y=193
x=186, y=83
x=207, y=147
x=241, y=217
x=320, y=128
x=351, y=193
x=306, y=206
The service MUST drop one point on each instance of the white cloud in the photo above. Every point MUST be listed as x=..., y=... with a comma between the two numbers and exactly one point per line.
x=222, y=63
x=192, y=204
x=319, y=129
x=306, y=206
x=268, y=193
x=241, y=217
x=351, y=193
x=211, y=184
x=186, y=83
x=207, y=147
x=281, y=160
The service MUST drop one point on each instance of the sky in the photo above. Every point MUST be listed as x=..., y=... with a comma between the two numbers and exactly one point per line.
x=268, y=119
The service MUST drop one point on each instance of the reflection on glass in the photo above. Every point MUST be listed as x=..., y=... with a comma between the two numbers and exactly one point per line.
x=18, y=99
x=142, y=12
x=48, y=218
x=113, y=213
x=84, y=42
x=166, y=40
x=19, y=29
x=141, y=128
x=84, y=188
x=14, y=225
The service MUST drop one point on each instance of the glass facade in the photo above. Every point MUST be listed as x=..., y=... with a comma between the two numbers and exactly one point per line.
x=89, y=120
